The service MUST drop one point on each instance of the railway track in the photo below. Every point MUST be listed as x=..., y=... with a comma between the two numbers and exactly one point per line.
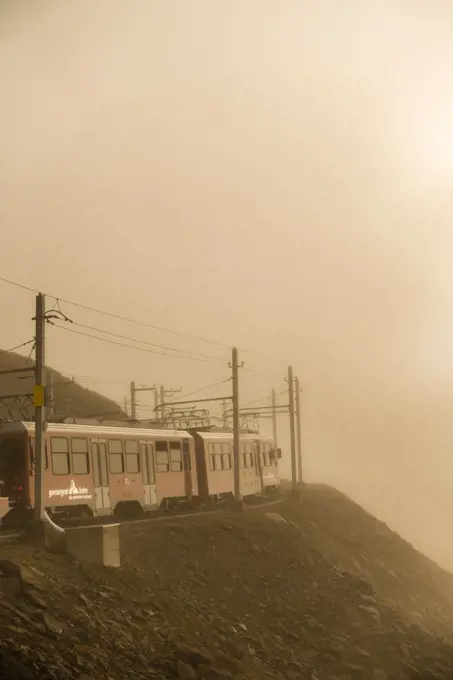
x=169, y=515
x=11, y=535
x=203, y=513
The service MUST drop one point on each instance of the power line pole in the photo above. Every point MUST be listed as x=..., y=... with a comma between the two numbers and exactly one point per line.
x=299, y=432
x=234, y=366
x=133, y=401
x=291, y=429
x=40, y=408
x=50, y=395
x=274, y=418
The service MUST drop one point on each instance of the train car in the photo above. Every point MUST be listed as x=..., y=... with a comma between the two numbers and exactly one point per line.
x=269, y=457
x=98, y=470
x=258, y=463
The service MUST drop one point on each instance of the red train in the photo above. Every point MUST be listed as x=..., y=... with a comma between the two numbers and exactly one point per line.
x=100, y=470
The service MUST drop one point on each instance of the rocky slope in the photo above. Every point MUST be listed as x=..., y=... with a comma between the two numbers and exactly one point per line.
x=353, y=540
x=215, y=596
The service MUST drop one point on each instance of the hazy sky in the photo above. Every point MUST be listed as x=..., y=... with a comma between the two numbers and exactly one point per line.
x=271, y=174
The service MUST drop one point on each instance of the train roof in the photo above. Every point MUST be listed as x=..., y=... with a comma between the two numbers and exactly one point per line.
x=229, y=435
x=99, y=430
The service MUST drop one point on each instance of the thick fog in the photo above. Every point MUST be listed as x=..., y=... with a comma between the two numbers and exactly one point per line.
x=271, y=174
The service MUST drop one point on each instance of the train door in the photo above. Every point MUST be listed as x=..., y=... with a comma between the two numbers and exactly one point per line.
x=258, y=467
x=187, y=467
x=148, y=474
x=101, y=476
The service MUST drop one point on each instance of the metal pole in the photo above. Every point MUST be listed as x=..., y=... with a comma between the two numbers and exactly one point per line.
x=291, y=429
x=234, y=366
x=274, y=419
x=40, y=410
x=162, y=402
x=299, y=432
x=156, y=399
x=50, y=395
x=133, y=403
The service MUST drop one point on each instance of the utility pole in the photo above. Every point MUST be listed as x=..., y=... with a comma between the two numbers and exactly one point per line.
x=298, y=432
x=133, y=402
x=40, y=406
x=274, y=419
x=234, y=366
x=291, y=429
x=50, y=394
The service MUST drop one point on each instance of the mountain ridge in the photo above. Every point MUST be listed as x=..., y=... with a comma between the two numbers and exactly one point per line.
x=69, y=398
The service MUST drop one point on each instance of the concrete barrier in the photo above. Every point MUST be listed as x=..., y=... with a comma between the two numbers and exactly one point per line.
x=4, y=507
x=97, y=544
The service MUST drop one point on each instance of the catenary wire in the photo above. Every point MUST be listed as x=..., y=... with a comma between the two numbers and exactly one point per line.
x=140, y=349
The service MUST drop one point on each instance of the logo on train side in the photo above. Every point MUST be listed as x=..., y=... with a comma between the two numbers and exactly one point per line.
x=74, y=492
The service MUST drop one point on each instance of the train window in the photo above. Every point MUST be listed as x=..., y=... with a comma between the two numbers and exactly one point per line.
x=217, y=448
x=218, y=461
x=226, y=461
x=175, y=456
x=225, y=448
x=115, y=446
x=132, y=463
x=242, y=460
x=211, y=448
x=60, y=455
x=162, y=462
x=131, y=446
x=80, y=462
x=249, y=460
x=116, y=460
x=211, y=462
x=132, y=457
